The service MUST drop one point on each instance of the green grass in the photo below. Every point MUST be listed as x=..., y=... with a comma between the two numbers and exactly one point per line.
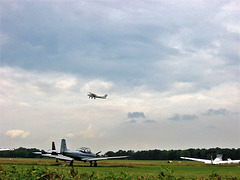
x=114, y=169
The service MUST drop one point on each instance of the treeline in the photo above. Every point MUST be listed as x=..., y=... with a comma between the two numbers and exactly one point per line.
x=176, y=154
x=143, y=155
x=19, y=153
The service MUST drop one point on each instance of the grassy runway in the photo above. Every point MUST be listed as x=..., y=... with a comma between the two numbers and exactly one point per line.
x=115, y=169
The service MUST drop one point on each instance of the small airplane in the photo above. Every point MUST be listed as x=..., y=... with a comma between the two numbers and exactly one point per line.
x=94, y=96
x=81, y=154
x=217, y=160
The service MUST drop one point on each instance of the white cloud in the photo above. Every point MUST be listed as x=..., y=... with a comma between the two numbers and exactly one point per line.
x=70, y=135
x=16, y=133
x=89, y=132
x=27, y=102
x=97, y=85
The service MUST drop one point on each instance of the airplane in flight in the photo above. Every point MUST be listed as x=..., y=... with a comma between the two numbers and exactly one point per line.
x=217, y=160
x=94, y=96
x=81, y=154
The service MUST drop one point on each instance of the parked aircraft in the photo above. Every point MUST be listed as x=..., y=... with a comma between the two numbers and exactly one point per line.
x=217, y=160
x=81, y=154
x=94, y=96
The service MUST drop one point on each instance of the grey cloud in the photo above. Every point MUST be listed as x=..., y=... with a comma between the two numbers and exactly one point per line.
x=175, y=117
x=149, y=121
x=136, y=115
x=178, y=117
x=189, y=117
x=90, y=35
x=132, y=121
x=216, y=112
x=211, y=127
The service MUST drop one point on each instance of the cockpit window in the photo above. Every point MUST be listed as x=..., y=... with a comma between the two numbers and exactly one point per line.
x=84, y=150
x=87, y=150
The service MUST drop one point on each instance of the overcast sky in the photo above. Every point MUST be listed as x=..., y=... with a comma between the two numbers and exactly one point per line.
x=170, y=69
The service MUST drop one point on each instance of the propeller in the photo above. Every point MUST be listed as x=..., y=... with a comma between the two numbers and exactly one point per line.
x=98, y=152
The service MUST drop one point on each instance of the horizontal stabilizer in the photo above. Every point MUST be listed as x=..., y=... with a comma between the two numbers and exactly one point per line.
x=105, y=158
x=60, y=157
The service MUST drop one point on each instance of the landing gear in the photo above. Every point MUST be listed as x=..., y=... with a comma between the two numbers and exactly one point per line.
x=71, y=163
x=95, y=163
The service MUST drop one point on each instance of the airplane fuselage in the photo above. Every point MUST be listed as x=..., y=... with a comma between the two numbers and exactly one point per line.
x=80, y=156
x=94, y=96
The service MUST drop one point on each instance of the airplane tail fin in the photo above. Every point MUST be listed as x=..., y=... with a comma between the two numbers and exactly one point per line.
x=105, y=96
x=218, y=158
x=63, y=146
x=54, y=152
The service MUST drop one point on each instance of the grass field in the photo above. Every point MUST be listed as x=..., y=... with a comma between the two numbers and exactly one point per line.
x=17, y=168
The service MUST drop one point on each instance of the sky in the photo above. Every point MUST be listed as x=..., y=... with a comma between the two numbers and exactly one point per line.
x=170, y=68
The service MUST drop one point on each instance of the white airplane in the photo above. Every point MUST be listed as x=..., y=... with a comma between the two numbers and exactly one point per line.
x=94, y=96
x=81, y=154
x=217, y=160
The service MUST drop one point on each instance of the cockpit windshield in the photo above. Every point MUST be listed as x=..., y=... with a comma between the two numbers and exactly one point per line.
x=84, y=150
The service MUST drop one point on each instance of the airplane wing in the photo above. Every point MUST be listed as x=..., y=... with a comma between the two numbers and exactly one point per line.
x=229, y=162
x=196, y=159
x=60, y=157
x=57, y=156
x=4, y=149
x=1, y=149
x=104, y=158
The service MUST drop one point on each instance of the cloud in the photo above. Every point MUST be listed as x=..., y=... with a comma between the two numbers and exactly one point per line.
x=136, y=115
x=178, y=117
x=132, y=121
x=148, y=62
x=92, y=42
x=149, y=121
x=70, y=135
x=89, y=133
x=16, y=133
x=211, y=127
x=216, y=112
